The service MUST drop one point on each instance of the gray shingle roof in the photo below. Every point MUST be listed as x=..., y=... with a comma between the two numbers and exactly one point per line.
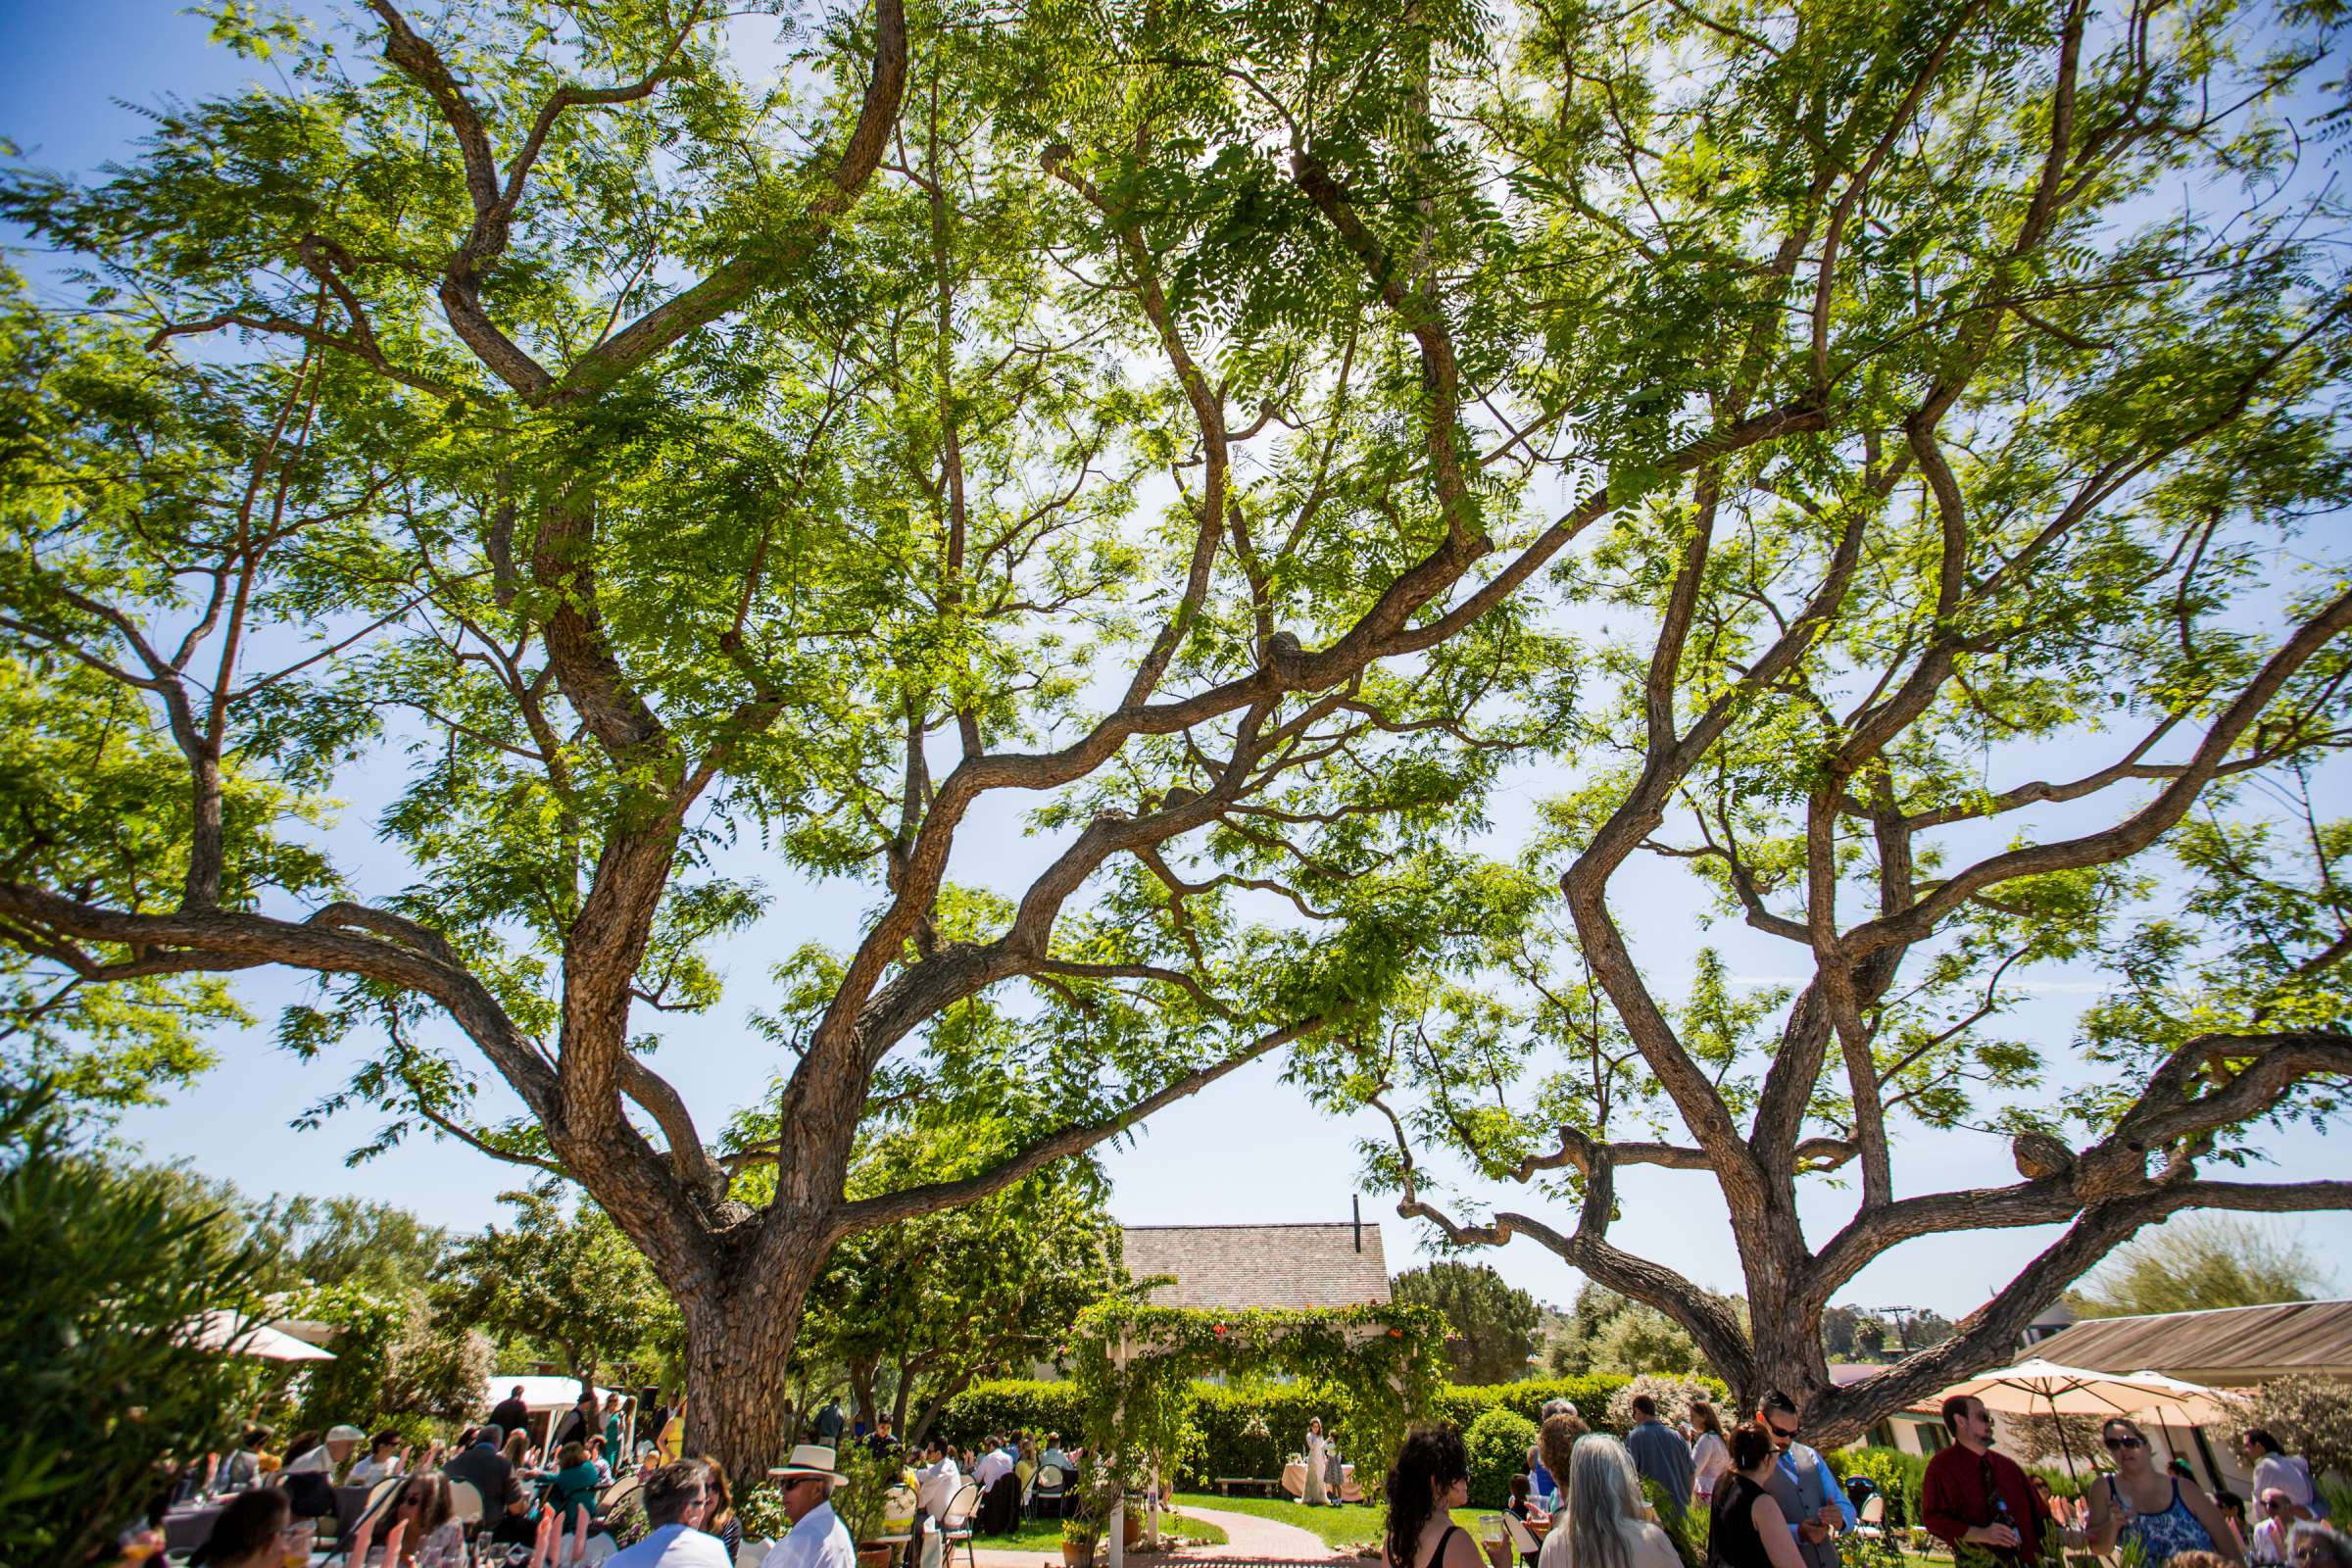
x=2229, y=1346
x=1237, y=1266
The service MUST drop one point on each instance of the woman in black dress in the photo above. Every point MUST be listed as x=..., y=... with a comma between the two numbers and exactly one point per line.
x=1748, y=1529
x=1429, y=1479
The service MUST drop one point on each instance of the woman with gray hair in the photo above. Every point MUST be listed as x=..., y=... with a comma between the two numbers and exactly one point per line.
x=1605, y=1524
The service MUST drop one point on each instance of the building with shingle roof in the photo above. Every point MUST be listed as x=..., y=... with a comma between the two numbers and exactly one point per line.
x=1237, y=1266
x=2227, y=1346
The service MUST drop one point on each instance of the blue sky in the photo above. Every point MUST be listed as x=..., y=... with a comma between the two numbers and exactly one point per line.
x=1247, y=1149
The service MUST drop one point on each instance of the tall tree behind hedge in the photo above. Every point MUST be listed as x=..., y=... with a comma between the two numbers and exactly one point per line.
x=914, y=1314
x=563, y=1279
x=1493, y=1322
x=103, y=1274
x=2198, y=1262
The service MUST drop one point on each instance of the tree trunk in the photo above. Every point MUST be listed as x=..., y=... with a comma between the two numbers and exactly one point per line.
x=739, y=1339
x=862, y=1390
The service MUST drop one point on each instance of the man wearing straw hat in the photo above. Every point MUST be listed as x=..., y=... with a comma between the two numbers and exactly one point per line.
x=818, y=1537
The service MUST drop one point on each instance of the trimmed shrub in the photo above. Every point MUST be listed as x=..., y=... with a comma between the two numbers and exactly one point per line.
x=1464, y=1404
x=1249, y=1429
x=1898, y=1475
x=1498, y=1440
x=2311, y=1415
x=1671, y=1394
x=1013, y=1404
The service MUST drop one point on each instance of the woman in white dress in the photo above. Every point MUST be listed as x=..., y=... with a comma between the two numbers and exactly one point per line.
x=1710, y=1459
x=1316, y=1451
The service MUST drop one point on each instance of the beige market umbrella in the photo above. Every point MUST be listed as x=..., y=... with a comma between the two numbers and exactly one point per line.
x=2039, y=1386
x=235, y=1334
x=2035, y=1386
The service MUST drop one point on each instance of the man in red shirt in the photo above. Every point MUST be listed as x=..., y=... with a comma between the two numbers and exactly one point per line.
x=1974, y=1496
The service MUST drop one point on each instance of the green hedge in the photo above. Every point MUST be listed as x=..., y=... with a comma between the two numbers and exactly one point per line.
x=1498, y=1443
x=1899, y=1476
x=1220, y=1442
x=1464, y=1404
x=1014, y=1404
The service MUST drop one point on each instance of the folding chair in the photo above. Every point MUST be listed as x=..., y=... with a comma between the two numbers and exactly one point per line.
x=1049, y=1489
x=618, y=1492
x=955, y=1529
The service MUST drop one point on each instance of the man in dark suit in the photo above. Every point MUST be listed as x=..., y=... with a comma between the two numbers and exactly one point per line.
x=510, y=1414
x=579, y=1423
x=486, y=1470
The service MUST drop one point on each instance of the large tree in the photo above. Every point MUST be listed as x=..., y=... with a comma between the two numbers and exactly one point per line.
x=1492, y=1322
x=1233, y=431
x=1979, y=678
x=654, y=465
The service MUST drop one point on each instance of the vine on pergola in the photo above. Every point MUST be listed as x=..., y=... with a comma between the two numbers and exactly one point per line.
x=1134, y=1365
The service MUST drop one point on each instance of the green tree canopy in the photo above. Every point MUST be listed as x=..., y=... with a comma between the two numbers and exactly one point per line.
x=915, y=1314
x=1230, y=438
x=396, y=1361
x=1493, y=1323
x=1611, y=1333
x=561, y=1279
x=2197, y=1262
x=105, y=1275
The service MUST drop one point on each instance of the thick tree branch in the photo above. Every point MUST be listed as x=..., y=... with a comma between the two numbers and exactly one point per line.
x=865, y=1214
x=2136, y=832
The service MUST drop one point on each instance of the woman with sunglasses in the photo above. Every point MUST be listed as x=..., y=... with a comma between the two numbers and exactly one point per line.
x=2161, y=1512
x=418, y=1530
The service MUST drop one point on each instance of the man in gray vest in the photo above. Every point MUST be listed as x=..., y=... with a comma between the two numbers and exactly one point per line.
x=1809, y=1495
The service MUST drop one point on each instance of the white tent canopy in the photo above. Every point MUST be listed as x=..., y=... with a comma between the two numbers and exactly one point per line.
x=540, y=1395
x=238, y=1334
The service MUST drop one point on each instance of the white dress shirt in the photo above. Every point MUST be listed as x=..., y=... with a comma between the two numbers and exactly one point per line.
x=2289, y=1475
x=993, y=1467
x=935, y=1486
x=677, y=1547
x=819, y=1541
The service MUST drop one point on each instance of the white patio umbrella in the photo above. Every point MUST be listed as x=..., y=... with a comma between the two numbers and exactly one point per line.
x=2037, y=1386
x=235, y=1334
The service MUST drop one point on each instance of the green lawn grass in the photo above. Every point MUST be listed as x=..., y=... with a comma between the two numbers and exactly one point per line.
x=1044, y=1534
x=1344, y=1526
